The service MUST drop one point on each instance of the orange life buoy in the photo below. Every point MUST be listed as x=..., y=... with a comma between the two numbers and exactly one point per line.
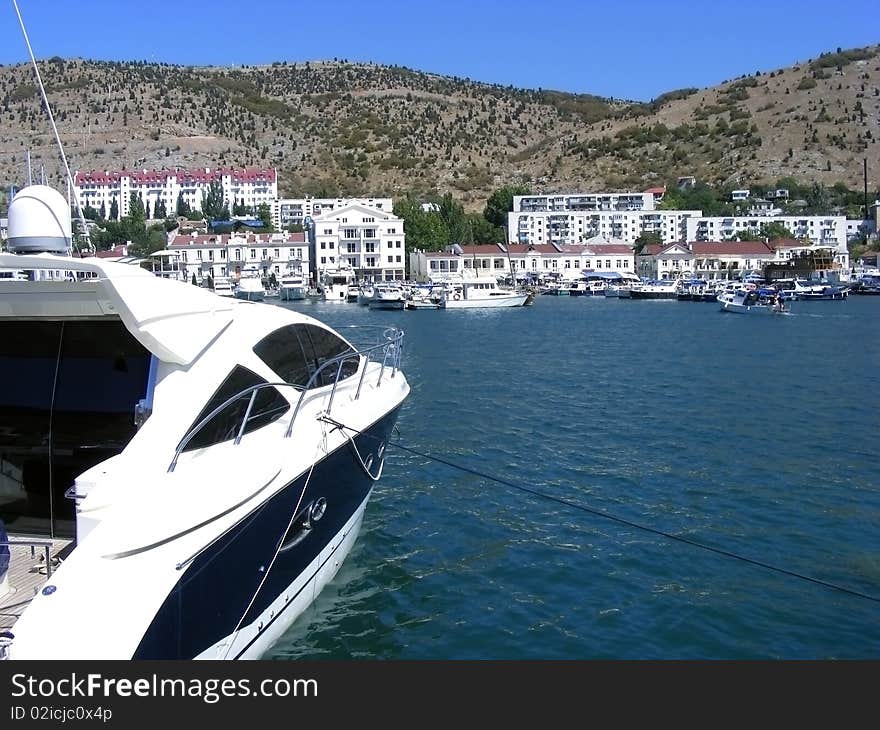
x=456, y=296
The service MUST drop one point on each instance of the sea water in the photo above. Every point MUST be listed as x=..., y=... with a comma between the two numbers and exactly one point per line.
x=712, y=478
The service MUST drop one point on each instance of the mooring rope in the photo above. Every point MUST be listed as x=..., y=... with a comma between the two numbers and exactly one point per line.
x=620, y=520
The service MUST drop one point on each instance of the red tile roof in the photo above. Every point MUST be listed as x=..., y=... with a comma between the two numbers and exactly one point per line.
x=204, y=175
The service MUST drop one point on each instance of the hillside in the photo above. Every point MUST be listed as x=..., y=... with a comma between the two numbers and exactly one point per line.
x=334, y=128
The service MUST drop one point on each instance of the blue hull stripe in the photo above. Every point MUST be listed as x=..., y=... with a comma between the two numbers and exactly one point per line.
x=213, y=593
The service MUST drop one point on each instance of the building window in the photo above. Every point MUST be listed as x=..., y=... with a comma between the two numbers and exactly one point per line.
x=390, y=259
x=369, y=232
x=253, y=252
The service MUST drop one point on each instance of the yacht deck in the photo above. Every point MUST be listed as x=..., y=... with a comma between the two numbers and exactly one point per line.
x=27, y=573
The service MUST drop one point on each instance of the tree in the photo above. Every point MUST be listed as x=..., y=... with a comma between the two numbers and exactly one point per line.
x=239, y=208
x=182, y=206
x=774, y=231
x=648, y=238
x=750, y=234
x=114, y=210
x=482, y=231
x=159, y=210
x=500, y=203
x=103, y=212
x=264, y=212
x=147, y=215
x=212, y=201
x=425, y=229
x=136, y=208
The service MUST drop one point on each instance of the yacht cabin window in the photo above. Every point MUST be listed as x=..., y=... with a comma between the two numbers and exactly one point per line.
x=295, y=353
x=269, y=406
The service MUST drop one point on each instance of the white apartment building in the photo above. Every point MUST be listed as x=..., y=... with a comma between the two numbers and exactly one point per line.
x=241, y=253
x=295, y=211
x=369, y=240
x=573, y=228
x=556, y=202
x=825, y=230
x=568, y=262
x=250, y=186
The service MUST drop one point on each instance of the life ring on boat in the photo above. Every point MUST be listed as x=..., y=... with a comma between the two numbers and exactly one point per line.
x=456, y=296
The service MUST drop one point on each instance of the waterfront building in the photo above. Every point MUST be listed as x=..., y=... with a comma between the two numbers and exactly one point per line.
x=297, y=211
x=249, y=186
x=368, y=240
x=233, y=255
x=499, y=259
x=733, y=259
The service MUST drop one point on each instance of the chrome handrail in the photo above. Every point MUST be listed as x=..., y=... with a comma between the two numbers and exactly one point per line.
x=34, y=543
x=391, y=345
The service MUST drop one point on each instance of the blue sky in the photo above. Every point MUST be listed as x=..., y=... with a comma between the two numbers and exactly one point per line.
x=633, y=49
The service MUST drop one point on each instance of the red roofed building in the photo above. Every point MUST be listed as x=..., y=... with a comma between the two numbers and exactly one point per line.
x=235, y=254
x=250, y=186
x=704, y=259
x=539, y=261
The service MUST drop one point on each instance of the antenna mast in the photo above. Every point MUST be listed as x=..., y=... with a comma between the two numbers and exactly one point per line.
x=82, y=218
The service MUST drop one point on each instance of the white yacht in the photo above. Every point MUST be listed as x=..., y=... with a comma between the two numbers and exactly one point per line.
x=387, y=295
x=293, y=287
x=209, y=459
x=333, y=284
x=250, y=288
x=656, y=289
x=480, y=292
x=223, y=286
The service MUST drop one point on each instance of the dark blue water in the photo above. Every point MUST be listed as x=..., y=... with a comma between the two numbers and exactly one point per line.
x=756, y=436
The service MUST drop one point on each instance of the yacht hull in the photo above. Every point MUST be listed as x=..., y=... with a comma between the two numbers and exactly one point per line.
x=226, y=605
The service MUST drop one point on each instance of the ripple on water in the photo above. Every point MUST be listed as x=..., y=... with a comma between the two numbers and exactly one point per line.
x=752, y=436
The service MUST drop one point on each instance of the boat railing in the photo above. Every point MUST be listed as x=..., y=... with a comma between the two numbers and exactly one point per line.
x=386, y=352
x=33, y=544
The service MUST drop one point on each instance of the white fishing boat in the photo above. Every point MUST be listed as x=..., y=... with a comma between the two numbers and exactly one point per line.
x=333, y=284
x=387, y=295
x=656, y=289
x=480, y=292
x=223, y=286
x=747, y=301
x=293, y=287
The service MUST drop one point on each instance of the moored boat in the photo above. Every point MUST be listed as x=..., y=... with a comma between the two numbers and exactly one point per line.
x=480, y=292
x=747, y=301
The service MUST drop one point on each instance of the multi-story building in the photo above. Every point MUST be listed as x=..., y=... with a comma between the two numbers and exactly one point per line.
x=250, y=186
x=573, y=228
x=296, y=211
x=370, y=241
x=555, y=202
x=241, y=253
x=824, y=230
x=539, y=261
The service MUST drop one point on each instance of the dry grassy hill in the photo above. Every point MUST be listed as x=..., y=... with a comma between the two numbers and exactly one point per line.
x=361, y=129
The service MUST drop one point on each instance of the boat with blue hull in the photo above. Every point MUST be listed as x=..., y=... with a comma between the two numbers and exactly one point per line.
x=208, y=459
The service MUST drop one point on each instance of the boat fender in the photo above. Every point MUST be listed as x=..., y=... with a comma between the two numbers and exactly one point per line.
x=456, y=296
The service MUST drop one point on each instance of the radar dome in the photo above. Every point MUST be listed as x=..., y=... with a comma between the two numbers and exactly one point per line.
x=39, y=221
